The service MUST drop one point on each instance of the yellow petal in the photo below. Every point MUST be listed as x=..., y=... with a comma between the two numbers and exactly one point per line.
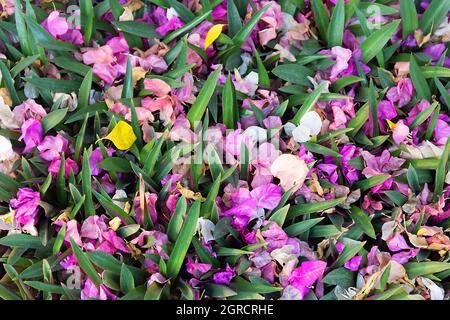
x=122, y=136
x=391, y=124
x=213, y=34
x=138, y=74
x=421, y=231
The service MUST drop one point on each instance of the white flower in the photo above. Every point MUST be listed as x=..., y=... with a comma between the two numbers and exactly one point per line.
x=283, y=255
x=7, y=222
x=436, y=292
x=8, y=119
x=248, y=84
x=170, y=13
x=310, y=125
x=258, y=134
x=429, y=150
x=206, y=228
x=443, y=29
x=120, y=194
x=6, y=150
x=246, y=60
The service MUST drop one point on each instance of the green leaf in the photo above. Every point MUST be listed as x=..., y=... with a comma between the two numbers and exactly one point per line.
x=80, y=139
x=198, y=108
x=340, y=276
x=433, y=16
x=441, y=172
x=105, y=261
x=112, y=209
x=54, y=118
x=137, y=28
x=219, y=291
x=127, y=90
x=117, y=10
x=362, y=220
x=377, y=40
x=46, y=287
x=350, y=250
x=388, y=294
x=115, y=164
x=87, y=20
x=298, y=228
x=410, y=21
x=336, y=26
x=413, y=179
x=263, y=79
x=7, y=294
x=280, y=215
x=22, y=64
x=422, y=116
x=294, y=73
x=21, y=241
x=223, y=251
x=320, y=17
x=184, y=240
x=85, y=264
x=176, y=221
x=22, y=32
x=233, y=18
x=317, y=148
x=229, y=105
x=444, y=93
x=59, y=240
x=255, y=285
x=308, y=104
x=61, y=193
x=241, y=36
x=188, y=26
x=419, y=81
x=86, y=184
x=85, y=91
x=203, y=254
x=373, y=104
x=323, y=231
x=368, y=183
x=210, y=201
x=126, y=279
x=55, y=85
x=396, y=197
x=153, y=292
x=435, y=72
x=415, y=269
x=343, y=82
x=302, y=209
x=9, y=83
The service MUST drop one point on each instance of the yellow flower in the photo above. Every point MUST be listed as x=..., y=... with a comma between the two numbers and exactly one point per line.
x=391, y=124
x=122, y=136
x=213, y=34
x=421, y=231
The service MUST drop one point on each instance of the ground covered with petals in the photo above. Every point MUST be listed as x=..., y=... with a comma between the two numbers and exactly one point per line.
x=224, y=149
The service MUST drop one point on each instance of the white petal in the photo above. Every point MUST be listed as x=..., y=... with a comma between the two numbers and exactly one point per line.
x=257, y=133
x=252, y=78
x=206, y=228
x=170, y=13
x=301, y=134
x=289, y=127
x=120, y=194
x=436, y=292
x=6, y=151
x=312, y=120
